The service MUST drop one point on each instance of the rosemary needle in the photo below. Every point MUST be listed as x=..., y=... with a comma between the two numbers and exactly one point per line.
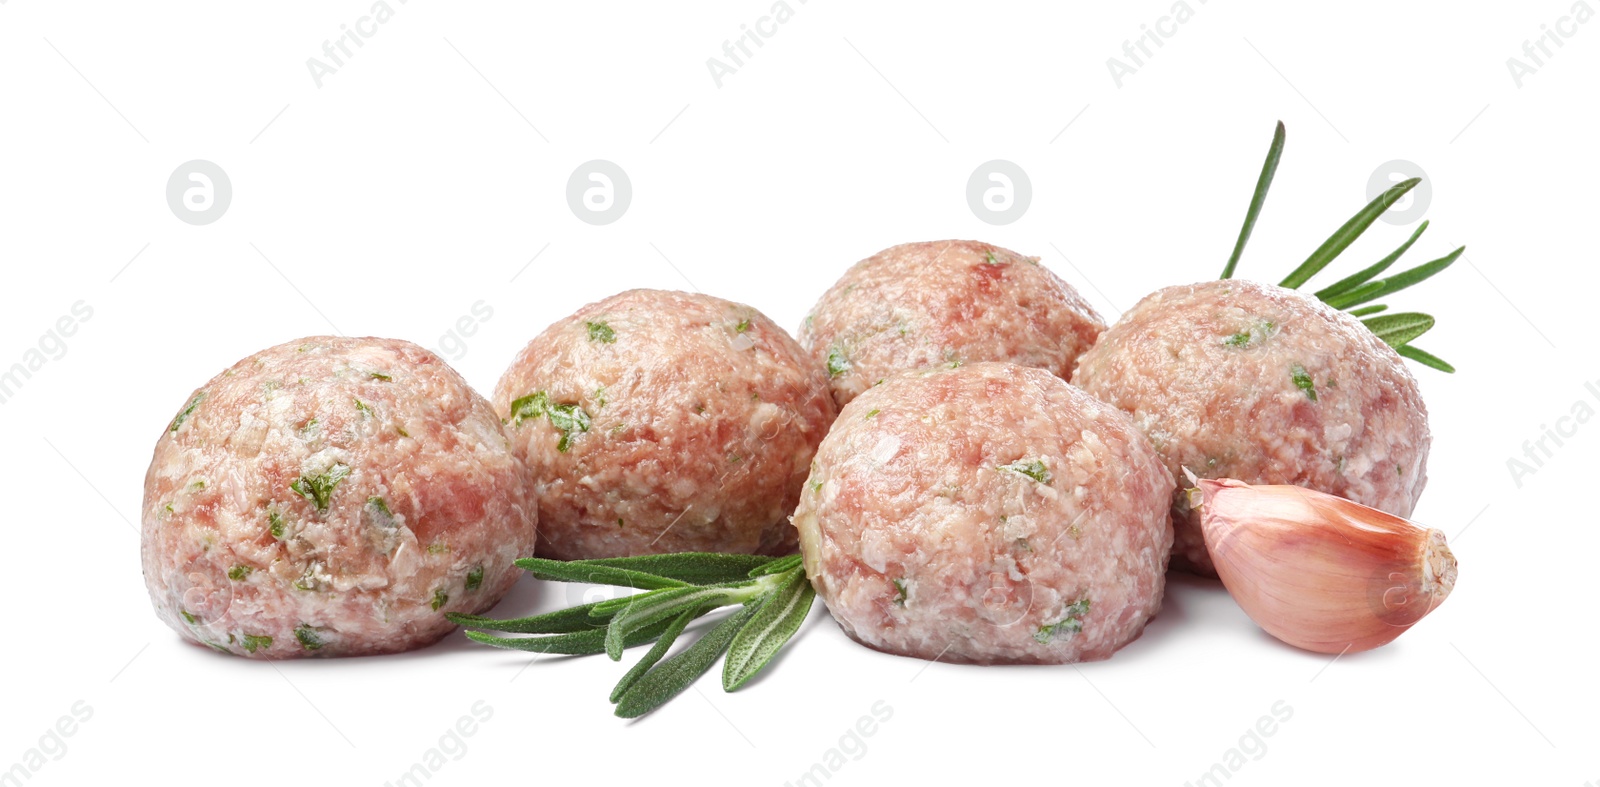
x=1269, y=168
x=773, y=595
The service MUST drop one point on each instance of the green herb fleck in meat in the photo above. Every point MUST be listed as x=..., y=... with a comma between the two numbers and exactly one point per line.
x=529, y=407
x=362, y=406
x=308, y=637
x=254, y=642
x=1262, y=331
x=568, y=418
x=440, y=598
x=319, y=488
x=190, y=619
x=183, y=415
x=871, y=413
x=600, y=332
x=381, y=376
x=239, y=572
x=379, y=516
x=837, y=363
x=1302, y=380
x=900, y=591
x=1032, y=468
x=744, y=325
x=475, y=578
x=275, y=523
x=1071, y=623
x=438, y=548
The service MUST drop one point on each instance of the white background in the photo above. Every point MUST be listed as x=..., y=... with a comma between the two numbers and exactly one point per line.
x=429, y=170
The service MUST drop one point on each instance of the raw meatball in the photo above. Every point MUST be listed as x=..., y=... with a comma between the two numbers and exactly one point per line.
x=988, y=514
x=943, y=302
x=332, y=497
x=1236, y=379
x=660, y=421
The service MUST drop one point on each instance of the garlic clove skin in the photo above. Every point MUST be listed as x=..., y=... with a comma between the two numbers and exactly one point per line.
x=1321, y=572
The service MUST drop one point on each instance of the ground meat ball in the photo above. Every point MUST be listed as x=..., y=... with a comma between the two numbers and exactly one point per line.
x=332, y=497
x=660, y=421
x=1236, y=379
x=987, y=514
x=941, y=302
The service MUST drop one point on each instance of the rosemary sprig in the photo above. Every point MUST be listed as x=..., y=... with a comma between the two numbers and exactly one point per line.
x=1347, y=234
x=1365, y=275
x=780, y=616
x=774, y=596
x=1399, y=329
x=1421, y=356
x=1402, y=280
x=1269, y=168
x=662, y=683
x=657, y=650
x=1354, y=292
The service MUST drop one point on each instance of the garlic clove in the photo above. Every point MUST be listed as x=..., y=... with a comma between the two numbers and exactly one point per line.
x=1321, y=572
